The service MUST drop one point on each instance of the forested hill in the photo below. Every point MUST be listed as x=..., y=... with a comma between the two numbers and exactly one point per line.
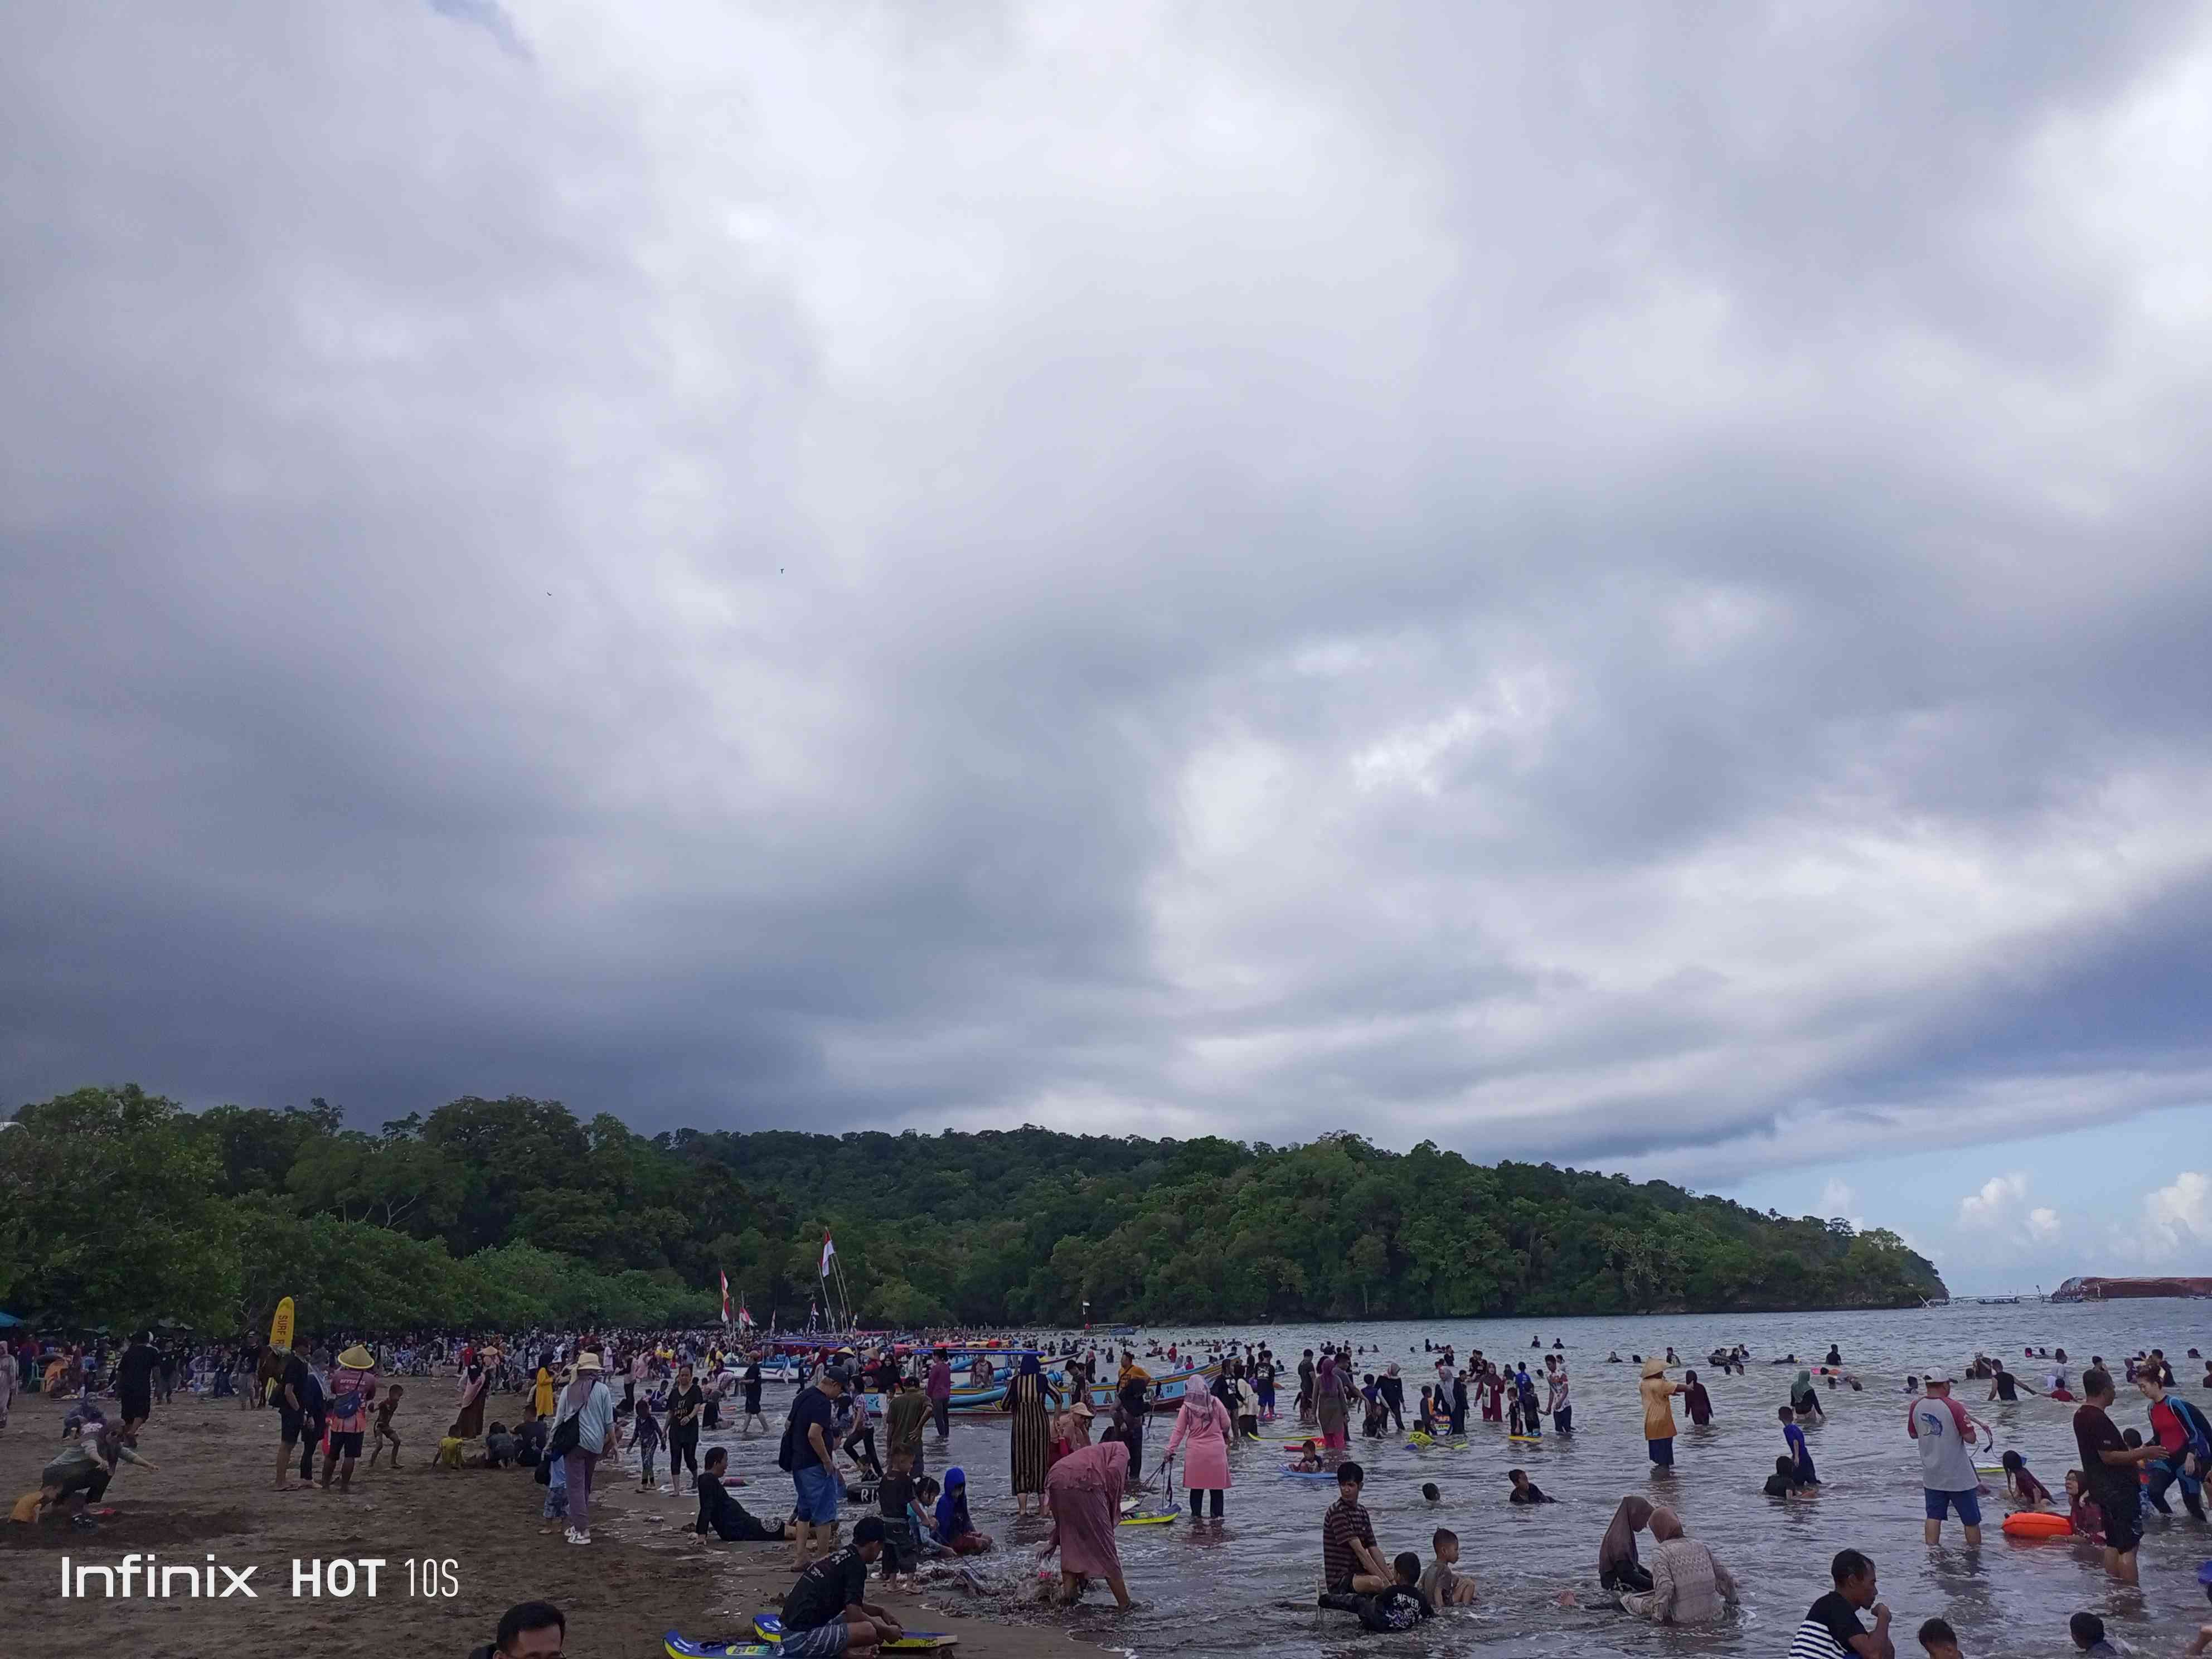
x=122, y=1206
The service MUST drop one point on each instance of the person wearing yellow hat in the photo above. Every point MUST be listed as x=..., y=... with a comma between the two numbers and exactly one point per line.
x=1659, y=1412
x=352, y=1390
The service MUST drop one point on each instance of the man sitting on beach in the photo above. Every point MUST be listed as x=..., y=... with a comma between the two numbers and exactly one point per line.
x=722, y=1514
x=823, y=1615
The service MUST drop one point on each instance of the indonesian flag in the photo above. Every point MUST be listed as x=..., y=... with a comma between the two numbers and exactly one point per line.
x=744, y=1318
x=726, y=1295
x=829, y=1250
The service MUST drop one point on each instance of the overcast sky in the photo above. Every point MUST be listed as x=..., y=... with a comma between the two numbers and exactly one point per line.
x=1622, y=585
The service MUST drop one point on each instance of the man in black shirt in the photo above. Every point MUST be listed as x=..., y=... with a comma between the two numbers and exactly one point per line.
x=2109, y=1470
x=134, y=1381
x=2006, y=1387
x=1832, y=1628
x=823, y=1614
x=722, y=1514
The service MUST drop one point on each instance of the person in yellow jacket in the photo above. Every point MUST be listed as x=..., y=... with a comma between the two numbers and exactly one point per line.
x=1659, y=1412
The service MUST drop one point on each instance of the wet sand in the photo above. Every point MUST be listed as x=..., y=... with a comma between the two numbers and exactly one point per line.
x=643, y=1575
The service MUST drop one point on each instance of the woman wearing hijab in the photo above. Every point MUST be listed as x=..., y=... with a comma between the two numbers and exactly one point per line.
x=1618, y=1569
x=1329, y=1404
x=954, y=1529
x=1071, y=1433
x=587, y=1399
x=1804, y=1398
x=1689, y=1586
x=1700, y=1403
x=1659, y=1412
x=1085, y=1495
x=1203, y=1428
x=475, y=1380
x=1030, y=1399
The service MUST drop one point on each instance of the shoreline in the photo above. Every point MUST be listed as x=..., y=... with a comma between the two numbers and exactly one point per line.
x=644, y=1573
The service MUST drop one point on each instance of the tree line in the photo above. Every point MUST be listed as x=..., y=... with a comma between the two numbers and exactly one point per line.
x=122, y=1208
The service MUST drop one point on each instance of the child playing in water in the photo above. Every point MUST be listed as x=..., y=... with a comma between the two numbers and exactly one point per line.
x=1525, y=1491
x=2088, y=1634
x=1308, y=1460
x=1440, y=1586
x=2082, y=1511
x=1940, y=1640
x=1801, y=1454
x=2026, y=1492
x=1783, y=1483
x=1402, y=1607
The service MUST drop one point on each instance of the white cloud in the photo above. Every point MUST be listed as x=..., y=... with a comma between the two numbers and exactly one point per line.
x=1837, y=1198
x=1993, y=1205
x=2181, y=1214
x=2043, y=1222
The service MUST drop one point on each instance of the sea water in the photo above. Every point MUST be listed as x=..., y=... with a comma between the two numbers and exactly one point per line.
x=1246, y=1585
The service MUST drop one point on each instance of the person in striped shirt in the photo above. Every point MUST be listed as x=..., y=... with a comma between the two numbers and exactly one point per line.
x=1831, y=1627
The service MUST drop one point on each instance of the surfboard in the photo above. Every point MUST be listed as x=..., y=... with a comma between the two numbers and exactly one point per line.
x=1526, y=1439
x=1150, y=1520
x=280, y=1327
x=678, y=1646
x=769, y=1628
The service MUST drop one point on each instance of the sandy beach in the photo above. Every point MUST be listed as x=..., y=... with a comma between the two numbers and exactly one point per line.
x=644, y=1573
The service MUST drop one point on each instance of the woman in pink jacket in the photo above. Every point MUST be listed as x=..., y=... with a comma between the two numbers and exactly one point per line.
x=1202, y=1429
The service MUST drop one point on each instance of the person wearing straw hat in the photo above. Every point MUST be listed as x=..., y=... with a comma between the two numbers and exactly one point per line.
x=352, y=1389
x=587, y=1402
x=1659, y=1412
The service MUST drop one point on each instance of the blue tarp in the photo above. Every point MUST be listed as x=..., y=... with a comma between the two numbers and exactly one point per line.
x=7, y=1319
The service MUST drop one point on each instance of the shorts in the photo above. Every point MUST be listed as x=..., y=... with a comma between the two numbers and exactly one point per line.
x=347, y=1444
x=1662, y=1451
x=1968, y=1504
x=2122, y=1512
x=136, y=1406
x=292, y=1422
x=823, y=1642
x=818, y=1496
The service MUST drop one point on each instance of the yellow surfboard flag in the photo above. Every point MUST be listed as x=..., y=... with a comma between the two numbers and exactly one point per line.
x=280, y=1327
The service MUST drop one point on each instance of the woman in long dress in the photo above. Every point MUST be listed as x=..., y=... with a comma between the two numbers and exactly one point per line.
x=469, y=1423
x=1030, y=1399
x=1329, y=1404
x=541, y=1399
x=1202, y=1430
x=1084, y=1489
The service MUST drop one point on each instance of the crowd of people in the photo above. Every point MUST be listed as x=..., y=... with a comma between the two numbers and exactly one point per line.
x=582, y=1399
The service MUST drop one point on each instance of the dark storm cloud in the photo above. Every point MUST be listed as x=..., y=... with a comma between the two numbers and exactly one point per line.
x=1245, y=574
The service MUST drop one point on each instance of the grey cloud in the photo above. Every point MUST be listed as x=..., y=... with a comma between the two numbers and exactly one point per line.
x=1310, y=568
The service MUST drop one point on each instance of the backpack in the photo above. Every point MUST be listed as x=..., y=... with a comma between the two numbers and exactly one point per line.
x=568, y=1434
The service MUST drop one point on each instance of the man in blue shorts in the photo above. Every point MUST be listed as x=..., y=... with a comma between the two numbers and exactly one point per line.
x=1948, y=1477
x=813, y=1470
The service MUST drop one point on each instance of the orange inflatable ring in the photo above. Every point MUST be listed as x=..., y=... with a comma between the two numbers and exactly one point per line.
x=2037, y=1523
